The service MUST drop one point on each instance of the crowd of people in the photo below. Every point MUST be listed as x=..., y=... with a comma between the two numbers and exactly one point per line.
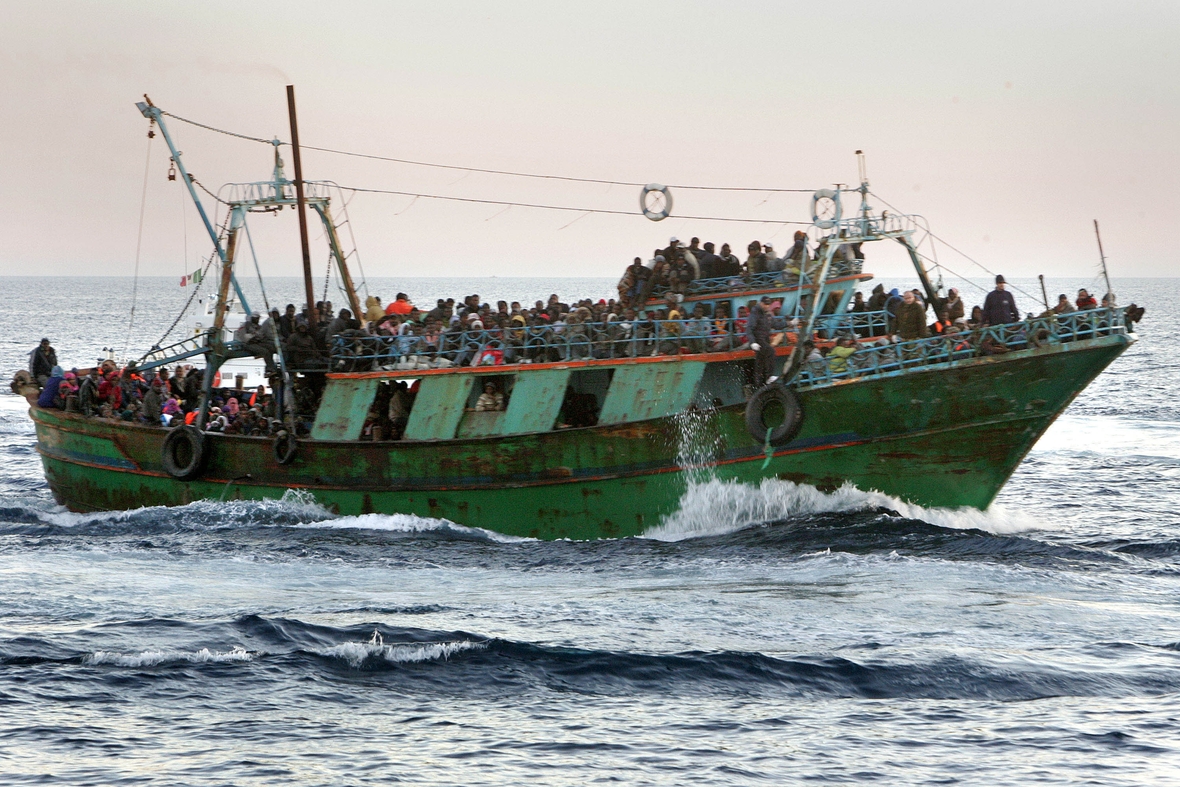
x=587, y=329
x=673, y=268
x=153, y=397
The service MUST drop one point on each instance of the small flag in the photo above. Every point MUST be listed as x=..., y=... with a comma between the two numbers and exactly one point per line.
x=192, y=278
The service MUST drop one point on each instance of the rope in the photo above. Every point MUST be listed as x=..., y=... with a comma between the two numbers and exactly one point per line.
x=965, y=255
x=460, y=168
x=139, y=238
x=560, y=207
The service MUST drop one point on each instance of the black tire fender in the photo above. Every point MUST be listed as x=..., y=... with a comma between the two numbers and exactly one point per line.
x=185, y=452
x=766, y=398
x=285, y=446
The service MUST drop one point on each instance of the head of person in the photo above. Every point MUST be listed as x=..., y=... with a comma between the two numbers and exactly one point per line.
x=858, y=297
x=1081, y=294
x=908, y=297
x=673, y=241
x=44, y=344
x=344, y=314
x=754, y=247
x=766, y=304
x=489, y=388
x=768, y=247
x=290, y=310
x=401, y=296
x=800, y=235
x=1000, y=283
x=254, y=318
x=1062, y=298
x=709, y=247
x=846, y=341
x=725, y=249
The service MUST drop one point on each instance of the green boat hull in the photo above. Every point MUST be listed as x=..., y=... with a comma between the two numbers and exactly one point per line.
x=941, y=436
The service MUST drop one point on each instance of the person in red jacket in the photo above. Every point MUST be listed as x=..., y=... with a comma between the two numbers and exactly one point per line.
x=1086, y=301
x=400, y=306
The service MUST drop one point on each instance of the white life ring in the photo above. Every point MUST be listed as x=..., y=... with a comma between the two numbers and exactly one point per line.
x=828, y=194
x=647, y=211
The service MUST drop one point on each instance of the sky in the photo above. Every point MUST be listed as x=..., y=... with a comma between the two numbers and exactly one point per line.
x=1009, y=126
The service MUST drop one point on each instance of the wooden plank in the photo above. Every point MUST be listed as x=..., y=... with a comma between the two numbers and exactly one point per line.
x=438, y=407
x=343, y=408
x=638, y=393
x=536, y=400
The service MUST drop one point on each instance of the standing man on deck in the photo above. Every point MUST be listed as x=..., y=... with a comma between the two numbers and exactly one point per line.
x=999, y=308
x=758, y=335
x=41, y=362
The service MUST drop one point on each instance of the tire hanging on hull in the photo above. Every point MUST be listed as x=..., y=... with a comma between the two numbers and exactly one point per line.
x=185, y=453
x=766, y=405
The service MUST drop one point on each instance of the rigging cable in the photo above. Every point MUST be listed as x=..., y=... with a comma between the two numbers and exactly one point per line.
x=482, y=170
x=139, y=238
x=961, y=253
x=603, y=211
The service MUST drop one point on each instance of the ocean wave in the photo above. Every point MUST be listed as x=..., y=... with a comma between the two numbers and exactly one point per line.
x=410, y=523
x=715, y=508
x=153, y=657
x=33, y=518
x=359, y=654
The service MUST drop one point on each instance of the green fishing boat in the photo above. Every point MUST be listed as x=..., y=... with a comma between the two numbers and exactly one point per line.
x=605, y=427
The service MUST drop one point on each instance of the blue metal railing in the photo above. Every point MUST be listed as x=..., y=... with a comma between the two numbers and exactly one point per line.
x=885, y=356
x=356, y=351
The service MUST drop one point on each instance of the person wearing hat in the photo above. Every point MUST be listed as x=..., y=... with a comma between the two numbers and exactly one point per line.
x=999, y=308
x=42, y=359
x=773, y=263
x=1086, y=300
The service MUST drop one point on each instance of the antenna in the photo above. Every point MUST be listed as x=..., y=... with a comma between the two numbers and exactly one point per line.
x=862, y=168
x=1102, y=256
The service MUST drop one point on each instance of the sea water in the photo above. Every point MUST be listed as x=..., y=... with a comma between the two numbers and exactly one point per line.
x=761, y=634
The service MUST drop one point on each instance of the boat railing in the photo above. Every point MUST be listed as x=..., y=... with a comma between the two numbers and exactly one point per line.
x=886, y=356
x=175, y=352
x=724, y=285
x=864, y=325
x=354, y=351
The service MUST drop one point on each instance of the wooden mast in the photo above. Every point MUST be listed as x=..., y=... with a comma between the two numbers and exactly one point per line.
x=300, y=208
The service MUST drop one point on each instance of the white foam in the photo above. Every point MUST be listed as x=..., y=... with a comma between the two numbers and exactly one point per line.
x=296, y=503
x=151, y=658
x=718, y=507
x=407, y=523
x=357, y=653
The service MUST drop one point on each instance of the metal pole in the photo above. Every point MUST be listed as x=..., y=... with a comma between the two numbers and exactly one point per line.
x=1102, y=255
x=152, y=112
x=301, y=209
x=1044, y=295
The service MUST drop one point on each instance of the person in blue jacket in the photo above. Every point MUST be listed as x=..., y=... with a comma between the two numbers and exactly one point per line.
x=48, y=397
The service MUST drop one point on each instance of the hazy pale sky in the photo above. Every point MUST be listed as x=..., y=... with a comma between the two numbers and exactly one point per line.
x=1009, y=125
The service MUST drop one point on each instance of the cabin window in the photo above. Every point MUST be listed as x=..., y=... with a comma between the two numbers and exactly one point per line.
x=584, y=395
x=501, y=384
